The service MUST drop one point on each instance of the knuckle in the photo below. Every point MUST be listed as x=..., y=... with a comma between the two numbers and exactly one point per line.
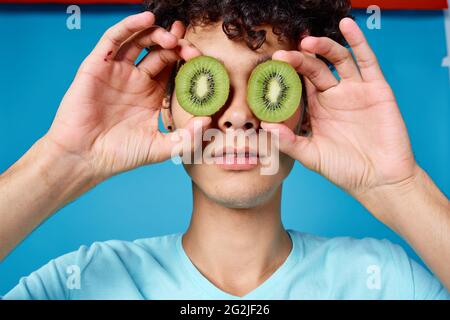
x=342, y=56
x=151, y=76
x=327, y=50
x=140, y=44
x=125, y=28
x=111, y=35
x=164, y=57
x=366, y=63
x=315, y=73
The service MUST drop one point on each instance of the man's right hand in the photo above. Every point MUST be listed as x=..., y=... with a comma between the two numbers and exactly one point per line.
x=107, y=123
x=109, y=116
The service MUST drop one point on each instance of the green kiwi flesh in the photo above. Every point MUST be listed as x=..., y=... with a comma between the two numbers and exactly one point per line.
x=274, y=91
x=202, y=86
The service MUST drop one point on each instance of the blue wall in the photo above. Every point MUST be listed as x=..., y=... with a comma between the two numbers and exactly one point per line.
x=39, y=57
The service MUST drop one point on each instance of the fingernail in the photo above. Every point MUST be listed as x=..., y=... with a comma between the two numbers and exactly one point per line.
x=148, y=13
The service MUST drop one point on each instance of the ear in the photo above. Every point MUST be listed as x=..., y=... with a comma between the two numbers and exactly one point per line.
x=166, y=113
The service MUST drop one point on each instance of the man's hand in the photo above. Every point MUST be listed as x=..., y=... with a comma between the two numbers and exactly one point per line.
x=359, y=140
x=109, y=116
x=107, y=123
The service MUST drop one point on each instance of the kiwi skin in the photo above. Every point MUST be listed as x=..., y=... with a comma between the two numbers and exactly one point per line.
x=287, y=90
x=216, y=84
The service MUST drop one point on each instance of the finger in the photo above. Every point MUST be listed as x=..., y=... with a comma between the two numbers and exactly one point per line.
x=311, y=89
x=178, y=29
x=299, y=148
x=312, y=68
x=165, y=39
x=337, y=54
x=183, y=139
x=147, y=38
x=365, y=57
x=132, y=48
x=187, y=50
x=155, y=61
x=115, y=36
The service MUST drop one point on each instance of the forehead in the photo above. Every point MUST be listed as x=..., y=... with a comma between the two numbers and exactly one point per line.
x=212, y=41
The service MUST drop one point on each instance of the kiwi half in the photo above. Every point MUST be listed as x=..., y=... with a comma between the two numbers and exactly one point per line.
x=202, y=86
x=274, y=91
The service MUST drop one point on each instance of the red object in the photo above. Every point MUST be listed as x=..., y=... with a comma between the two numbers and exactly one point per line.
x=402, y=4
x=68, y=2
x=384, y=4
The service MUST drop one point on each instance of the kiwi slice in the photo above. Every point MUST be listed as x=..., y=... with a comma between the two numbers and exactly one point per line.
x=202, y=86
x=274, y=91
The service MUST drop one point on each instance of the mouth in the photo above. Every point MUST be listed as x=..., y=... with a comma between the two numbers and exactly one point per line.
x=237, y=159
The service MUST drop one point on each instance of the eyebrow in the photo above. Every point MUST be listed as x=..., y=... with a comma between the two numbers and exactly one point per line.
x=256, y=63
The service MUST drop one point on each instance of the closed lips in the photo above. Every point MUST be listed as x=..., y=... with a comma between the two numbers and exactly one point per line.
x=237, y=153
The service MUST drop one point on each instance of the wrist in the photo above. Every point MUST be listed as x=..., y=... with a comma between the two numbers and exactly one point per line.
x=38, y=184
x=65, y=175
x=384, y=201
x=394, y=204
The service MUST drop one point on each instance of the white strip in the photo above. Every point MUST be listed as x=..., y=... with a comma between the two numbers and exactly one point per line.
x=446, y=61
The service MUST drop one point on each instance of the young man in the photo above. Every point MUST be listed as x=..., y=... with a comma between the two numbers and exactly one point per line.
x=235, y=246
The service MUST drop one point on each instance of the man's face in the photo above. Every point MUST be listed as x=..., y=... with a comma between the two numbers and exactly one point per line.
x=235, y=186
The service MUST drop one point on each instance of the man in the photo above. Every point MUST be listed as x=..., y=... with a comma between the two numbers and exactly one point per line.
x=235, y=246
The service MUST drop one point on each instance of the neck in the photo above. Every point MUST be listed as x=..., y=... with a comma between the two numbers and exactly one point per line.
x=236, y=249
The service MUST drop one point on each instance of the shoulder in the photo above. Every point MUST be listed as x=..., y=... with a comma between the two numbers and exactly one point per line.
x=118, y=250
x=355, y=254
x=115, y=255
x=365, y=249
x=377, y=267
x=147, y=247
x=115, y=262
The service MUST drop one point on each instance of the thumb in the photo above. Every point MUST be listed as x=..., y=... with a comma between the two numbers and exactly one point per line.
x=183, y=140
x=297, y=147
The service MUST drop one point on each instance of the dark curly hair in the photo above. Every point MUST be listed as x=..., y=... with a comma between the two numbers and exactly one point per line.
x=291, y=20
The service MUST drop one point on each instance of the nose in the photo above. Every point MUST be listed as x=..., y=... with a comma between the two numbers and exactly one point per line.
x=238, y=115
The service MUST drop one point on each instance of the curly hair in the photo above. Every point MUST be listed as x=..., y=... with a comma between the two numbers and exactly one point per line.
x=291, y=20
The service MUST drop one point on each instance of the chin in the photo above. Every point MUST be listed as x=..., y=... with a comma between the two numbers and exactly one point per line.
x=236, y=190
x=241, y=199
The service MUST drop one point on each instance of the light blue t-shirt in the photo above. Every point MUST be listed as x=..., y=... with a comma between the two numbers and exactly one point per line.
x=158, y=268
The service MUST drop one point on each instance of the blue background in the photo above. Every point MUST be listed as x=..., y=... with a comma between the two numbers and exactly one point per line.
x=39, y=57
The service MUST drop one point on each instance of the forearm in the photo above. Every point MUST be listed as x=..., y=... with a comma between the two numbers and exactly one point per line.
x=37, y=185
x=420, y=213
